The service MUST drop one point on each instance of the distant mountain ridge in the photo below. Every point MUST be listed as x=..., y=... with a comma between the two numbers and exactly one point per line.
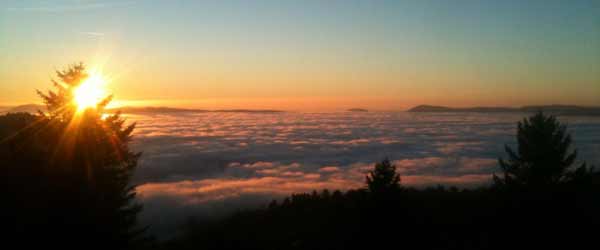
x=357, y=110
x=553, y=109
x=134, y=110
x=34, y=108
x=27, y=108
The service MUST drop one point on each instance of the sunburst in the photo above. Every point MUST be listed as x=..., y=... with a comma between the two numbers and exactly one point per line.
x=90, y=92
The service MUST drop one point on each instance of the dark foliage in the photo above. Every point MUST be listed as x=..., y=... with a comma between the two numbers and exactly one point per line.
x=65, y=174
x=383, y=178
x=543, y=158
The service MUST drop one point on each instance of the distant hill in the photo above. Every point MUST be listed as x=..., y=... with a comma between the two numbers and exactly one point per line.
x=564, y=109
x=430, y=108
x=145, y=110
x=27, y=108
x=33, y=108
x=357, y=110
x=553, y=109
x=248, y=111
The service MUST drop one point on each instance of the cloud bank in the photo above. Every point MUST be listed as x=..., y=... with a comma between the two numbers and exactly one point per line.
x=210, y=163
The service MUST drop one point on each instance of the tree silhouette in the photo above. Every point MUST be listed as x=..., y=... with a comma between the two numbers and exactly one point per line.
x=543, y=156
x=69, y=171
x=383, y=178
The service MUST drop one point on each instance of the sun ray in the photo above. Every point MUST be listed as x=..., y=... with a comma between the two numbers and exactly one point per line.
x=90, y=92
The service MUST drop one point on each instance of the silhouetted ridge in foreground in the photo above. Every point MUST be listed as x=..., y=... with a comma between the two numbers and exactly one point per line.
x=552, y=109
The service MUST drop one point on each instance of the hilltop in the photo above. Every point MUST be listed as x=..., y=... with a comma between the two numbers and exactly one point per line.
x=553, y=109
x=357, y=110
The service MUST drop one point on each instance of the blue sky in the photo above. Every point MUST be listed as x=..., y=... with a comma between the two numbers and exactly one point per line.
x=256, y=53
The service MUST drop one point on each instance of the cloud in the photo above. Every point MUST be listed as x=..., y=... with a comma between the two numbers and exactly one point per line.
x=209, y=163
x=208, y=145
x=93, y=34
x=203, y=191
x=329, y=169
x=168, y=204
x=446, y=166
x=260, y=182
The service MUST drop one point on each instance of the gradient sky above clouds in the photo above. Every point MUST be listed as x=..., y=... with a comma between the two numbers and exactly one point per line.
x=310, y=54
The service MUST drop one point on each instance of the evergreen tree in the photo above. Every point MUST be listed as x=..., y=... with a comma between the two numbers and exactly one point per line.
x=543, y=155
x=71, y=172
x=383, y=178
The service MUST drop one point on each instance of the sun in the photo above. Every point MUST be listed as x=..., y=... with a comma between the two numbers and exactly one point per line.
x=90, y=92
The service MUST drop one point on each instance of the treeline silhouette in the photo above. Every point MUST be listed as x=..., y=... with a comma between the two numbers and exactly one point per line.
x=539, y=200
x=66, y=172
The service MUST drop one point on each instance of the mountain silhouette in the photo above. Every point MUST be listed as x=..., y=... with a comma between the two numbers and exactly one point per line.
x=551, y=109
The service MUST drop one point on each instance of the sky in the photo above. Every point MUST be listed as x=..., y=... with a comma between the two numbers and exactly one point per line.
x=314, y=55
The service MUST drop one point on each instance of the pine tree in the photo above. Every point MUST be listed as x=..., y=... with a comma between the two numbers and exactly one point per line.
x=383, y=178
x=543, y=156
x=81, y=165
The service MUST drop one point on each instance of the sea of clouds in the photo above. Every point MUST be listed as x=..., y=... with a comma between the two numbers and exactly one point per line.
x=209, y=164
